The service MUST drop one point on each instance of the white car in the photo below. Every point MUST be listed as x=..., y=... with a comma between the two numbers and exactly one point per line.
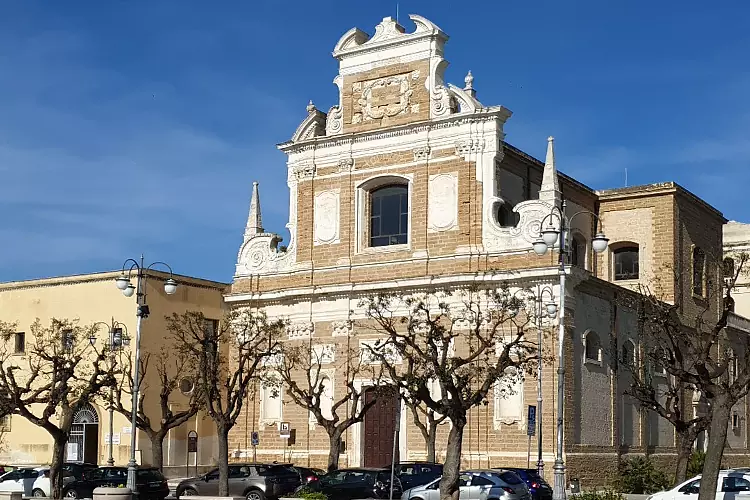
x=733, y=484
x=20, y=480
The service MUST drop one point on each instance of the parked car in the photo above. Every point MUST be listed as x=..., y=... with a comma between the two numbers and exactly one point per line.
x=252, y=481
x=477, y=485
x=79, y=469
x=413, y=474
x=308, y=474
x=538, y=487
x=42, y=487
x=730, y=484
x=149, y=481
x=349, y=484
x=20, y=480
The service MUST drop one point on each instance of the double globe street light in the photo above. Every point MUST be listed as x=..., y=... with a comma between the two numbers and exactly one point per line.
x=139, y=290
x=548, y=237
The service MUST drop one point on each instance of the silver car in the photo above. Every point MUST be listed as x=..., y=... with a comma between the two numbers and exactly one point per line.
x=477, y=485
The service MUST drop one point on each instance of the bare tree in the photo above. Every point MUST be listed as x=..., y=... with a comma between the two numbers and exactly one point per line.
x=305, y=371
x=172, y=367
x=697, y=351
x=61, y=370
x=450, y=349
x=229, y=356
x=427, y=421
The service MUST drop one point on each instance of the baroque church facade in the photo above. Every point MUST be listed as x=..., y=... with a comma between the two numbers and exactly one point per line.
x=407, y=183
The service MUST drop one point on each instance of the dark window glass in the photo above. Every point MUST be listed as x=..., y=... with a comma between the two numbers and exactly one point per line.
x=577, y=252
x=506, y=217
x=628, y=354
x=20, y=343
x=481, y=481
x=699, y=266
x=148, y=475
x=67, y=340
x=626, y=263
x=389, y=216
x=265, y=470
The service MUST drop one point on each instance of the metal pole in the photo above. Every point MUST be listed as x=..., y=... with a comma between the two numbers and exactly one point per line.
x=132, y=466
x=558, y=492
x=111, y=459
x=539, y=462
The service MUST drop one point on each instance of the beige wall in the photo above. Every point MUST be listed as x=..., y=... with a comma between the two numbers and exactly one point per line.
x=94, y=298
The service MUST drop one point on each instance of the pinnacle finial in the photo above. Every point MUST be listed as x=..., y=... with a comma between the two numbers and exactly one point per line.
x=550, y=189
x=310, y=106
x=469, y=81
x=254, y=219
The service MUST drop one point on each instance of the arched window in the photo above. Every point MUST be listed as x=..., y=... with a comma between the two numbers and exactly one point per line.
x=578, y=251
x=627, y=353
x=592, y=346
x=626, y=263
x=699, y=271
x=728, y=267
x=389, y=215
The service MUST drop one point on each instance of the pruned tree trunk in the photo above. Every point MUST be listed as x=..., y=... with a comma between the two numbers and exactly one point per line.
x=157, y=448
x=721, y=408
x=431, y=443
x=59, y=441
x=334, y=450
x=452, y=466
x=685, y=440
x=223, y=435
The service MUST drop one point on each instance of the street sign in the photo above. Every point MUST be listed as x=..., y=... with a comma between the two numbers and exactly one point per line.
x=254, y=438
x=192, y=442
x=285, y=430
x=531, y=421
x=115, y=438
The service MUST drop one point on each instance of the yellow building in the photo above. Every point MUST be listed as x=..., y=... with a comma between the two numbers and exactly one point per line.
x=94, y=298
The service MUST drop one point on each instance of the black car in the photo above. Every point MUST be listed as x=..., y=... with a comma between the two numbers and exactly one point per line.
x=308, y=474
x=350, y=484
x=79, y=469
x=538, y=487
x=254, y=481
x=413, y=474
x=150, y=483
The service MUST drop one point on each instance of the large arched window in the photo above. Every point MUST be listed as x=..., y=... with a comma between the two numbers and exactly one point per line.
x=626, y=263
x=389, y=215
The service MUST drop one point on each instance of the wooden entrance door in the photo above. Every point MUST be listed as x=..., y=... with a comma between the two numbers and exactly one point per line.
x=379, y=427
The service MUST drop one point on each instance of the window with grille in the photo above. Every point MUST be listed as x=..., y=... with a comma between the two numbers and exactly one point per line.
x=699, y=271
x=20, y=343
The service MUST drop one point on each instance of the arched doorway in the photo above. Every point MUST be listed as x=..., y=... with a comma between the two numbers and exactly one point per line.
x=83, y=444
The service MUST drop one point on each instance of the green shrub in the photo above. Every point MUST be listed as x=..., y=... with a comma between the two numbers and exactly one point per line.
x=600, y=495
x=308, y=494
x=639, y=476
x=695, y=465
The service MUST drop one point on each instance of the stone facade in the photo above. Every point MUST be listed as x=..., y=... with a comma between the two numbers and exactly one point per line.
x=475, y=204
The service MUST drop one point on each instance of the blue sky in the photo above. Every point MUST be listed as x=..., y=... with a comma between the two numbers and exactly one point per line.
x=131, y=126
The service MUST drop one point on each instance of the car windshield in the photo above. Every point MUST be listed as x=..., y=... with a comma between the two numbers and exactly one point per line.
x=509, y=477
x=271, y=470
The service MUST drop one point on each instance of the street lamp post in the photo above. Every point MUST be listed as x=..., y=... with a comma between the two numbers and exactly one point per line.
x=547, y=238
x=118, y=337
x=549, y=309
x=142, y=312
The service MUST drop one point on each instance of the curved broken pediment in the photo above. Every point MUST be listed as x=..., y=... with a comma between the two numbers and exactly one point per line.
x=312, y=126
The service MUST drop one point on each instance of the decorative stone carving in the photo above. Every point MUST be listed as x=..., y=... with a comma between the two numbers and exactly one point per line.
x=326, y=218
x=346, y=165
x=304, y=172
x=442, y=211
x=508, y=404
x=335, y=118
x=466, y=147
x=341, y=328
x=384, y=97
x=422, y=153
x=312, y=126
x=300, y=330
x=441, y=101
x=323, y=354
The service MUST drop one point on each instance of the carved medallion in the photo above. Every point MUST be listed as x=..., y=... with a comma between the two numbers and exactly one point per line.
x=326, y=217
x=384, y=97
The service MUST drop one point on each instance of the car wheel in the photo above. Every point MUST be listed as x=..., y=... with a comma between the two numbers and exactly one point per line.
x=38, y=493
x=71, y=493
x=255, y=495
x=189, y=492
